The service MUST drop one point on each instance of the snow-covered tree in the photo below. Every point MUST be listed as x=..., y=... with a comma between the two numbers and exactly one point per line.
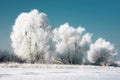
x=31, y=36
x=71, y=44
x=101, y=52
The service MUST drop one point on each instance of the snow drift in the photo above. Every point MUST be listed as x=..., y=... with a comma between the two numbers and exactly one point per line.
x=58, y=72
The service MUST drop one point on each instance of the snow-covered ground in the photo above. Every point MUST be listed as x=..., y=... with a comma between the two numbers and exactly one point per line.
x=57, y=72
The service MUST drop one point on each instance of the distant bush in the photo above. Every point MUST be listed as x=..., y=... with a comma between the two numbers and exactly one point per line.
x=6, y=56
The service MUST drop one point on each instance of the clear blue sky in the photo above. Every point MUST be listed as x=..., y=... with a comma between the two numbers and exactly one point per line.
x=100, y=17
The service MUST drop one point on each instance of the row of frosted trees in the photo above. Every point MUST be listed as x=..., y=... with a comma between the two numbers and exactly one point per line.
x=34, y=41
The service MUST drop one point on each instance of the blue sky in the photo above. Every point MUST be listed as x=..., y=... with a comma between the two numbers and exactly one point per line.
x=100, y=17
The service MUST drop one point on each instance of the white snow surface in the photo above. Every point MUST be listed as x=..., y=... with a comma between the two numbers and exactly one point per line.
x=57, y=72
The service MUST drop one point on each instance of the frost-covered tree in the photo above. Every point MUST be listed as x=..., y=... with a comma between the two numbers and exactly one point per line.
x=71, y=44
x=31, y=36
x=101, y=52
